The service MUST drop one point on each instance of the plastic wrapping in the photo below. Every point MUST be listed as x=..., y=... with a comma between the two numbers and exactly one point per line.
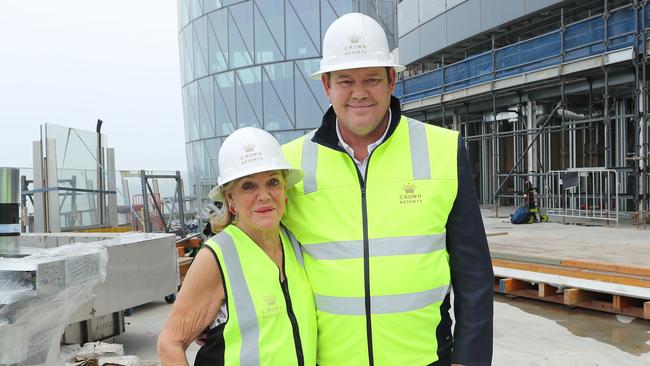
x=39, y=293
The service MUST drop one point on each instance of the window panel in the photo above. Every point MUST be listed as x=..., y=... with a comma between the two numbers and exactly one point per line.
x=189, y=158
x=340, y=7
x=200, y=47
x=206, y=107
x=224, y=103
x=211, y=5
x=186, y=54
x=267, y=47
x=278, y=96
x=249, y=97
x=212, y=157
x=272, y=12
x=328, y=16
x=307, y=68
x=198, y=161
x=240, y=34
x=387, y=17
x=308, y=111
x=183, y=13
x=308, y=14
x=230, y=2
x=196, y=8
x=192, y=110
x=218, y=41
x=299, y=44
x=186, y=119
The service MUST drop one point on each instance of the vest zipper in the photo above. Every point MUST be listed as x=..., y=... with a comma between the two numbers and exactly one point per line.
x=366, y=273
x=292, y=317
x=366, y=258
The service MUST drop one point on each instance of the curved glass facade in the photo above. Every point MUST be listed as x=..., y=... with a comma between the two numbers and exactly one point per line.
x=247, y=63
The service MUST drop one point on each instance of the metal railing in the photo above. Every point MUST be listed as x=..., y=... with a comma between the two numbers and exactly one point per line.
x=581, y=193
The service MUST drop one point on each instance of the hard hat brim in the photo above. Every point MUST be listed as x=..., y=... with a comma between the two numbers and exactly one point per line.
x=293, y=177
x=355, y=65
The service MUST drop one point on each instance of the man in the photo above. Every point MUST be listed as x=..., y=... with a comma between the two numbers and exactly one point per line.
x=388, y=219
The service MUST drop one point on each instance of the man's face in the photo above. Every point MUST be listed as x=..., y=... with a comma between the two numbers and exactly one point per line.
x=360, y=97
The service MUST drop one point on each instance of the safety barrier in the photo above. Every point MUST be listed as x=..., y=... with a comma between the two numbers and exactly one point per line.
x=595, y=35
x=585, y=193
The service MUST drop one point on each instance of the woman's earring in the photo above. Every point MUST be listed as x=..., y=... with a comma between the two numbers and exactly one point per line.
x=232, y=210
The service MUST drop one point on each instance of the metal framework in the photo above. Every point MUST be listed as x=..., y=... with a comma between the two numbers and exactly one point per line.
x=151, y=201
x=560, y=109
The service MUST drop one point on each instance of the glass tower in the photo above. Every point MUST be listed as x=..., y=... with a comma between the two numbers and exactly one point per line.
x=248, y=62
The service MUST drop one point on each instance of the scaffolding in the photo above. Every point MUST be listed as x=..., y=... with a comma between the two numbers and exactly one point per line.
x=559, y=108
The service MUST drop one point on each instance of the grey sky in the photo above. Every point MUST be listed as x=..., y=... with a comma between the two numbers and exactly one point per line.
x=72, y=62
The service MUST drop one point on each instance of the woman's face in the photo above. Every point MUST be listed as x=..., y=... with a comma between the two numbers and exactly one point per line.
x=259, y=201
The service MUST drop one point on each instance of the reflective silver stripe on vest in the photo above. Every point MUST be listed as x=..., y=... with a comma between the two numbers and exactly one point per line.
x=385, y=304
x=402, y=245
x=419, y=150
x=309, y=162
x=295, y=245
x=246, y=315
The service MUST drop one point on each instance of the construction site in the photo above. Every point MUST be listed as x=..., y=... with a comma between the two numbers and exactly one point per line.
x=551, y=100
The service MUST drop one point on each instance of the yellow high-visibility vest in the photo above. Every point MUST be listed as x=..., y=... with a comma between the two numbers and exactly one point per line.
x=268, y=322
x=375, y=251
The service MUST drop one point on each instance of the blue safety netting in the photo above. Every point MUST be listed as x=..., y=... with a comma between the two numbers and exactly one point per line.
x=620, y=29
x=584, y=39
x=588, y=37
x=528, y=55
x=430, y=80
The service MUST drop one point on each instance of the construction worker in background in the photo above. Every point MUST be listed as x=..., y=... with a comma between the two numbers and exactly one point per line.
x=388, y=219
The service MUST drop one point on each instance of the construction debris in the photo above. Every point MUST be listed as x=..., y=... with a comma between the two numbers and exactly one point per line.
x=98, y=354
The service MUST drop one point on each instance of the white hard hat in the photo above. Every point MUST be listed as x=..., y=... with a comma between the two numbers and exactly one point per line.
x=353, y=41
x=248, y=151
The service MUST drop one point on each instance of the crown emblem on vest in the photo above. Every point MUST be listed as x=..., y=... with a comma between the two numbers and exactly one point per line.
x=354, y=38
x=409, y=188
x=269, y=300
x=248, y=147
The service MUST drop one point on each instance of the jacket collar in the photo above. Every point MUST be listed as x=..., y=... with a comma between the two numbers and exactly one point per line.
x=326, y=133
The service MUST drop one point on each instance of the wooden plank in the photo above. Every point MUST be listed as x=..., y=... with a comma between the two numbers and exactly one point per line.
x=573, y=272
x=575, y=296
x=546, y=290
x=646, y=310
x=510, y=285
x=525, y=258
x=498, y=233
x=622, y=302
x=607, y=267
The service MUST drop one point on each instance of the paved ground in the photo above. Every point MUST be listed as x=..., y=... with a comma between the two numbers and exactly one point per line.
x=526, y=332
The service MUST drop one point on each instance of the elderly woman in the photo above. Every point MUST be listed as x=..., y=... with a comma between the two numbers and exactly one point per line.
x=247, y=285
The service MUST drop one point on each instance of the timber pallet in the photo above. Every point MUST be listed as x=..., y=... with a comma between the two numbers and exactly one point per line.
x=574, y=297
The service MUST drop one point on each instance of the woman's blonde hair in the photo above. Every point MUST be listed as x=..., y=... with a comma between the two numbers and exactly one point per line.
x=220, y=220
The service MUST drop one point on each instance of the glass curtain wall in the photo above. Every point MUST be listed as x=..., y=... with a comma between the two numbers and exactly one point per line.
x=247, y=63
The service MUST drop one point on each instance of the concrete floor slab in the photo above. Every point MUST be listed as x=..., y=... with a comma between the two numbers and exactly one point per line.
x=555, y=241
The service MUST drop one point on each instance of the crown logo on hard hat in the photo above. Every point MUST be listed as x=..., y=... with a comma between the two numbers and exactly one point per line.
x=409, y=188
x=248, y=147
x=354, y=38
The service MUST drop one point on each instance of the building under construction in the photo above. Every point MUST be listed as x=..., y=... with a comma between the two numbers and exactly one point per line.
x=551, y=97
